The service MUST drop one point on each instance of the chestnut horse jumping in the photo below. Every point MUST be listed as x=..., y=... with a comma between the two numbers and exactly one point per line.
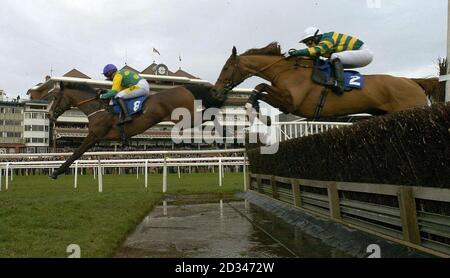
x=103, y=124
x=293, y=91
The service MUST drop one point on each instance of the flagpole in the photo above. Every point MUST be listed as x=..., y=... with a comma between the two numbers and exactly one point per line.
x=153, y=55
x=155, y=51
x=447, y=93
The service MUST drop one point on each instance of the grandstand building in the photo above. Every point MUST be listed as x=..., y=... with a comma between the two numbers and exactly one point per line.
x=36, y=127
x=11, y=127
x=24, y=126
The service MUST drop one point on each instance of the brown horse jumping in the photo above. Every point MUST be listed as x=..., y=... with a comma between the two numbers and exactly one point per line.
x=103, y=124
x=293, y=91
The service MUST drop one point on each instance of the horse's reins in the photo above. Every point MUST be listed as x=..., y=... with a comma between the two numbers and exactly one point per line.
x=269, y=66
x=87, y=101
x=272, y=64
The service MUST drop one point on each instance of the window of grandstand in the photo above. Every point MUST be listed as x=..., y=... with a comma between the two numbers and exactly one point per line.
x=37, y=116
x=10, y=122
x=38, y=107
x=36, y=128
x=12, y=134
x=37, y=140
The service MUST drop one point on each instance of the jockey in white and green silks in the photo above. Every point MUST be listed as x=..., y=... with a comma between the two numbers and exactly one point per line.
x=344, y=51
x=126, y=84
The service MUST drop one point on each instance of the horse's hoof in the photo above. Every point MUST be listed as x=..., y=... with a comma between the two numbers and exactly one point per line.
x=54, y=175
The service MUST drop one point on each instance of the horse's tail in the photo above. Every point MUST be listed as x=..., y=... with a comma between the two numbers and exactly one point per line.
x=434, y=89
x=206, y=95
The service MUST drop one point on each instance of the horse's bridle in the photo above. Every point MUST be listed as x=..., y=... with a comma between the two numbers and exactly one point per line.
x=229, y=85
x=61, y=92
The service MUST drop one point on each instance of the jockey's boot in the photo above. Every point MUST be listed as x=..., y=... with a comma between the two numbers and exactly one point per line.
x=339, y=75
x=126, y=118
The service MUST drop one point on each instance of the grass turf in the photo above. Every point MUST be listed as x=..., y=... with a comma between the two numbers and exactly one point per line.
x=40, y=217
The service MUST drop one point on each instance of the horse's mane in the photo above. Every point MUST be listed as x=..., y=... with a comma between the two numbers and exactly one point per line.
x=81, y=87
x=272, y=49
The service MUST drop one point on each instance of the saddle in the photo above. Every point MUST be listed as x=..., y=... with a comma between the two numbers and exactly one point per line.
x=323, y=74
x=134, y=105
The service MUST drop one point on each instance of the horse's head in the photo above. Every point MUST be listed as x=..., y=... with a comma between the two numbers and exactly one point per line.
x=252, y=62
x=232, y=74
x=60, y=104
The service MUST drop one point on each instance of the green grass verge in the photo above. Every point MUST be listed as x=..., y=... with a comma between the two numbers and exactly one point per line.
x=40, y=217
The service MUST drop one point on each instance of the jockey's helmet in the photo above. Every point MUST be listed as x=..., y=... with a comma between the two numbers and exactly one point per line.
x=309, y=33
x=108, y=69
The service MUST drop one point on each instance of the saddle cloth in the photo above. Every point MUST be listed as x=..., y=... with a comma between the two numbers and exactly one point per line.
x=134, y=105
x=323, y=75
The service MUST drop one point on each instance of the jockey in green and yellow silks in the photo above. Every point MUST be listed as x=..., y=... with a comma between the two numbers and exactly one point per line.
x=344, y=51
x=126, y=84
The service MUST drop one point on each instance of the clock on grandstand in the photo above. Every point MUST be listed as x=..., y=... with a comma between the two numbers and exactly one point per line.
x=161, y=69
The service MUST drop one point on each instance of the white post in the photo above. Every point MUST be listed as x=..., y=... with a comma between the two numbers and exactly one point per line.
x=165, y=208
x=223, y=171
x=146, y=174
x=220, y=171
x=100, y=177
x=245, y=172
x=6, y=177
x=137, y=173
x=12, y=174
x=1, y=178
x=179, y=174
x=165, y=175
x=75, y=182
x=94, y=170
x=447, y=87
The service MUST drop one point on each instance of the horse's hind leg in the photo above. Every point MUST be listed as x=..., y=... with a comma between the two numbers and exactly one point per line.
x=88, y=142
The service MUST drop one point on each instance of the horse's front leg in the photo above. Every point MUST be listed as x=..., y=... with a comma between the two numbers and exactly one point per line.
x=277, y=98
x=88, y=142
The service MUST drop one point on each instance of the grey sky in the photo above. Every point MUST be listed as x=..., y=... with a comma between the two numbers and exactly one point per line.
x=407, y=36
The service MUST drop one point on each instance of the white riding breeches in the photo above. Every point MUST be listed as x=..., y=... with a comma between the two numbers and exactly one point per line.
x=142, y=88
x=354, y=58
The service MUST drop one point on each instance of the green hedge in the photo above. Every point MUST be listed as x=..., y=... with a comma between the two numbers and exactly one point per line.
x=407, y=148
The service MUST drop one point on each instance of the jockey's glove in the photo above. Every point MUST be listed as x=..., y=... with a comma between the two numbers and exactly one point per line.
x=108, y=95
x=293, y=52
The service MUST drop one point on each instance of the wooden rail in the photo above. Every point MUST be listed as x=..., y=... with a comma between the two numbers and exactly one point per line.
x=400, y=221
